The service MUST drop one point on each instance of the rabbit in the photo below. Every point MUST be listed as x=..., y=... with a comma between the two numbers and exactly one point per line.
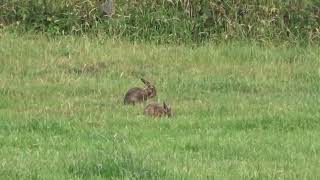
x=136, y=94
x=158, y=110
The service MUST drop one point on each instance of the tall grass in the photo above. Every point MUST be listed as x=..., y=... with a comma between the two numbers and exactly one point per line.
x=170, y=20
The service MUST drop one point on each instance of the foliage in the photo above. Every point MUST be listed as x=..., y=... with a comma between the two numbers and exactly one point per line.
x=170, y=20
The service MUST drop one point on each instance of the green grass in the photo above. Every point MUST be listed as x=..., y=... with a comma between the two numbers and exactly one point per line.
x=242, y=111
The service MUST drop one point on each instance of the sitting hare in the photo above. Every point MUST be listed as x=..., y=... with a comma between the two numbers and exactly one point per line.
x=158, y=110
x=136, y=94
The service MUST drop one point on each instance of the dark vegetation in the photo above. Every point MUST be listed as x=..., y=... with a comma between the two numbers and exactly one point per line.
x=166, y=21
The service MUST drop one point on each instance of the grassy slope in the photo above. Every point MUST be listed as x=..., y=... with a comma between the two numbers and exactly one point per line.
x=241, y=111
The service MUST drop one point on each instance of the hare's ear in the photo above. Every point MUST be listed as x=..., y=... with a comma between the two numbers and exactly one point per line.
x=165, y=105
x=144, y=81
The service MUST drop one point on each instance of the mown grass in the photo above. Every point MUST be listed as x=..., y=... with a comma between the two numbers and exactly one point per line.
x=242, y=111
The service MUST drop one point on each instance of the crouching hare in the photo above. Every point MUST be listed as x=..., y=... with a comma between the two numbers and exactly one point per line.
x=158, y=110
x=137, y=95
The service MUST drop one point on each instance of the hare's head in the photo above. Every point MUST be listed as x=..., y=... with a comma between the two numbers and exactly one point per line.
x=149, y=88
x=167, y=109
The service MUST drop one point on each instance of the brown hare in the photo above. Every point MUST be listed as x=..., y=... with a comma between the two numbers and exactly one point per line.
x=158, y=110
x=136, y=94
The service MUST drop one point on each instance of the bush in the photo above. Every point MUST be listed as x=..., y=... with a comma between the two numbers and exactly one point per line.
x=170, y=20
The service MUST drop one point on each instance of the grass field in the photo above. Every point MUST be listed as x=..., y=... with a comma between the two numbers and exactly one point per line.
x=242, y=111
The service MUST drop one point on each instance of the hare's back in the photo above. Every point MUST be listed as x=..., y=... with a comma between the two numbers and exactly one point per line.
x=134, y=91
x=153, y=108
x=134, y=95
